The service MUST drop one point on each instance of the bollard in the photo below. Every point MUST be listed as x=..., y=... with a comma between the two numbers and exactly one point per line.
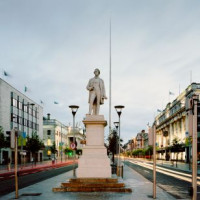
x=190, y=191
x=120, y=171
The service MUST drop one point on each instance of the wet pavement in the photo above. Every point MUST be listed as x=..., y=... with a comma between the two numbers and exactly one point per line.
x=142, y=190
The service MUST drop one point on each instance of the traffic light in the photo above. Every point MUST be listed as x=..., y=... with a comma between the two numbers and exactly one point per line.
x=8, y=138
x=11, y=138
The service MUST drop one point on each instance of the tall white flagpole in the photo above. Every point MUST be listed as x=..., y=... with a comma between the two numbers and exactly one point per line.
x=110, y=88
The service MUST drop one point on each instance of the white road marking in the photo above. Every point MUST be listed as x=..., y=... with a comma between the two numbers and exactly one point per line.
x=165, y=172
x=176, y=172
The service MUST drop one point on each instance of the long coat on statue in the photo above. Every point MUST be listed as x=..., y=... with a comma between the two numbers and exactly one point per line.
x=102, y=89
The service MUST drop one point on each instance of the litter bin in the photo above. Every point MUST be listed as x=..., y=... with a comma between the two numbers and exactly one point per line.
x=190, y=191
x=120, y=171
x=114, y=169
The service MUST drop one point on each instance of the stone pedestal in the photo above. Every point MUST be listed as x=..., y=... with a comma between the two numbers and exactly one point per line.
x=94, y=162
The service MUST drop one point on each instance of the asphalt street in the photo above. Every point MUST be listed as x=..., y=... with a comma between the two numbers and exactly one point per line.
x=174, y=186
x=8, y=186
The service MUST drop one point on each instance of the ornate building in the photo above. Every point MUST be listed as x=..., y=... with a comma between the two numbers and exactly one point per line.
x=173, y=124
x=62, y=135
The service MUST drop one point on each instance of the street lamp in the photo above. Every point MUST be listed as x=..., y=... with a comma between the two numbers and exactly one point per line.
x=61, y=143
x=28, y=104
x=193, y=104
x=116, y=126
x=74, y=109
x=119, y=108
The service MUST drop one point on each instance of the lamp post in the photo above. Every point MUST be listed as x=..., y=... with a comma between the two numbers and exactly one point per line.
x=116, y=126
x=119, y=112
x=61, y=152
x=193, y=103
x=74, y=109
x=154, y=159
x=28, y=104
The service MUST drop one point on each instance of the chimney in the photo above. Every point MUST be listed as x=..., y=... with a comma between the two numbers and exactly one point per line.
x=48, y=116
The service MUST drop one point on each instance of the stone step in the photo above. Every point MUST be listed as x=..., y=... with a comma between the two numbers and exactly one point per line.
x=93, y=189
x=93, y=180
x=94, y=185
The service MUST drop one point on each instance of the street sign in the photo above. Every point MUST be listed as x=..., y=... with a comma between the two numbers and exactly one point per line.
x=12, y=139
x=73, y=146
x=22, y=153
x=23, y=134
x=61, y=143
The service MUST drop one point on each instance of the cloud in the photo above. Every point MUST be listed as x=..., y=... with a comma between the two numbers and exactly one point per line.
x=54, y=46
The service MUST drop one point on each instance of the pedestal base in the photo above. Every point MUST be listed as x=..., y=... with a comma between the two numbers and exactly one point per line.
x=92, y=185
x=94, y=162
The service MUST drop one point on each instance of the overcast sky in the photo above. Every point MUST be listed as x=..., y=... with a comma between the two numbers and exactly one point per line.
x=53, y=47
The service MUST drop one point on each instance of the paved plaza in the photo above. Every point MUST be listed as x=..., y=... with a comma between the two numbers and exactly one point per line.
x=142, y=189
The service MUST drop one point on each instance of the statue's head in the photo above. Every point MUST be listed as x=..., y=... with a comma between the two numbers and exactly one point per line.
x=96, y=71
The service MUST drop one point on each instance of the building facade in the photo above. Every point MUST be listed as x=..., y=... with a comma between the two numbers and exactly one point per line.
x=61, y=135
x=19, y=111
x=142, y=140
x=173, y=124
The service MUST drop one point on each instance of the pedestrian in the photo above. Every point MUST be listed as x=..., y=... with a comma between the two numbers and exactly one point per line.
x=53, y=161
x=32, y=161
x=8, y=164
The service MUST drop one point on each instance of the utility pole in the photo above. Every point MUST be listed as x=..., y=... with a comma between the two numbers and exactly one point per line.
x=194, y=102
x=154, y=160
x=110, y=83
x=61, y=144
x=14, y=145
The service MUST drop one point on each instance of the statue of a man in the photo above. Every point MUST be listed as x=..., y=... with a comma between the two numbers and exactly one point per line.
x=97, y=93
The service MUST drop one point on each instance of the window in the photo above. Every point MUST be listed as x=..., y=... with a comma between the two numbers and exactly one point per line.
x=48, y=132
x=25, y=122
x=19, y=120
x=35, y=126
x=13, y=118
x=30, y=124
x=36, y=114
x=176, y=127
x=25, y=108
x=172, y=128
x=33, y=113
x=180, y=125
x=20, y=105
x=14, y=102
x=30, y=111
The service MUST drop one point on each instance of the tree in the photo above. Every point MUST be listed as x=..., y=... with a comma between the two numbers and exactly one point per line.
x=149, y=151
x=176, y=147
x=2, y=139
x=113, y=143
x=53, y=149
x=68, y=151
x=34, y=144
x=138, y=152
x=79, y=151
